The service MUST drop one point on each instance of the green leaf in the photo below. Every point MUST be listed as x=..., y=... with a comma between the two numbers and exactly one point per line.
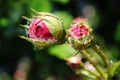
x=113, y=68
x=62, y=1
x=66, y=17
x=4, y=22
x=41, y=5
x=61, y=51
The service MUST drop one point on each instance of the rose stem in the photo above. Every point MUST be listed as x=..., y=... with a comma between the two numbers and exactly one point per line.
x=90, y=71
x=83, y=52
x=101, y=54
x=82, y=65
x=76, y=53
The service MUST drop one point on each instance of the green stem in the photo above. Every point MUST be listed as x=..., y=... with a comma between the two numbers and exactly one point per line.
x=90, y=71
x=76, y=53
x=102, y=55
x=84, y=53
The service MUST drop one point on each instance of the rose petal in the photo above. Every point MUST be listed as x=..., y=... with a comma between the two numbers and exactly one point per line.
x=39, y=30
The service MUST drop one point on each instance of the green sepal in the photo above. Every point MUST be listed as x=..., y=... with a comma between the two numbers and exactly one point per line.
x=81, y=43
x=39, y=43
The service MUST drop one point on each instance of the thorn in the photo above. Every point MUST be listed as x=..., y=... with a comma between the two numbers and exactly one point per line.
x=27, y=18
x=98, y=47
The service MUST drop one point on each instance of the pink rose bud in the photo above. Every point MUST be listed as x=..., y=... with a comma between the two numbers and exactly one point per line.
x=39, y=30
x=45, y=29
x=89, y=66
x=74, y=62
x=80, y=33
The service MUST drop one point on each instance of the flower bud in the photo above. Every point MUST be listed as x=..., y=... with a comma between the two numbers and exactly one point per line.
x=80, y=33
x=74, y=62
x=89, y=66
x=45, y=29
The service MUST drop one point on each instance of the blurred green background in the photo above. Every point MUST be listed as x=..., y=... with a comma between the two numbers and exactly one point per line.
x=48, y=63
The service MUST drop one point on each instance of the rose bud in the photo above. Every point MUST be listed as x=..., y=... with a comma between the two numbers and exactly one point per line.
x=74, y=62
x=44, y=30
x=89, y=66
x=80, y=33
